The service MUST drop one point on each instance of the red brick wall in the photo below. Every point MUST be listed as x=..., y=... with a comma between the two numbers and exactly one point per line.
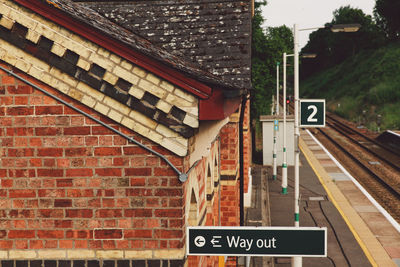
x=69, y=183
x=230, y=205
x=247, y=160
x=229, y=147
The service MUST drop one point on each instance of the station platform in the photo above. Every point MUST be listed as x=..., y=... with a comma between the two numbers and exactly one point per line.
x=358, y=233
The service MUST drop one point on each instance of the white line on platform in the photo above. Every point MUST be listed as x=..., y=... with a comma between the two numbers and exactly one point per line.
x=395, y=224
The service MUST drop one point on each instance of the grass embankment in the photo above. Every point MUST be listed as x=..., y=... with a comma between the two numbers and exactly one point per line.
x=369, y=82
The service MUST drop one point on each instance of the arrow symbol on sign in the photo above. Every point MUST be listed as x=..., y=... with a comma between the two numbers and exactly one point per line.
x=215, y=242
x=199, y=241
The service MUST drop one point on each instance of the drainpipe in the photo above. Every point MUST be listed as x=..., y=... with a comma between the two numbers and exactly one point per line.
x=181, y=175
x=241, y=158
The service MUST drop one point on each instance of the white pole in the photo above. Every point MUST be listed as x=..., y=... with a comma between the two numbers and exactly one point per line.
x=277, y=88
x=276, y=122
x=297, y=261
x=274, y=152
x=284, y=163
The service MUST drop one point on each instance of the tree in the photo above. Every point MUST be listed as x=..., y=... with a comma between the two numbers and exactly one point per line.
x=332, y=48
x=267, y=49
x=386, y=13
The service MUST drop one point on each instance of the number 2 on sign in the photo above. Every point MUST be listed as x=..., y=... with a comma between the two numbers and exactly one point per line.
x=311, y=117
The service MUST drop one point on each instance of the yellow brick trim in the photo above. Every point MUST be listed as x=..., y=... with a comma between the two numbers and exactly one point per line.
x=88, y=101
x=234, y=118
x=33, y=36
x=167, y=86
x=116, y=59
x=169, y=254
x=36, y=73
x=3, y=254
x=183, y=141
x=52, y=254
x=71, y=254
x=80, y=91
x=37, y=63
x=178, y=101
x=191, y=121
x=110, y=78
x=101, y=61
x=22, y=254
x=153, y=79
x=174, y=146
x=126, y=75
x=229, y=172
x=152, y=88
x=136, y=92
x=75, y=94
x=6, y=22
x=116, y=116
x=58, y=50
x=228, y=183
x=103, y=109
x=139, y=72
x=139, y=117
x=80, y=254
x=126, y=65
x=164, y=106
x=139, y=254
x=5, y=10
x=103, y=52
x=83, y=64
x=110, y=254
x=22, y=65
x=188, y=97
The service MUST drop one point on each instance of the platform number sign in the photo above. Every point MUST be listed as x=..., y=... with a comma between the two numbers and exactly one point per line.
x=312, y=112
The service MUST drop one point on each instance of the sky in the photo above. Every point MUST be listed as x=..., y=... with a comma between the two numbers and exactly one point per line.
x=307, y=13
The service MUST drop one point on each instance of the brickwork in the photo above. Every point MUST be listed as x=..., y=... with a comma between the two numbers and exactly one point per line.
x=230, y=148
x=247, y=160
x=92, y=263
x=73, y=193
x=69, y=184
x=98, y=78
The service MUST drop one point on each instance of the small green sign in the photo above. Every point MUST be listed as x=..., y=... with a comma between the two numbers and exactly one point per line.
x=312, y=112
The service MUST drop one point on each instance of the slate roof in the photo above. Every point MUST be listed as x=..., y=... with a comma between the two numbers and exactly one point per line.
x=212, y=33
x=88, y=16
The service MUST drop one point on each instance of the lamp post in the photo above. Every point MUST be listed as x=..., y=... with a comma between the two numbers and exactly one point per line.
x=297, y=261
x=277, y=88
x=284, y=162
x=276, y=127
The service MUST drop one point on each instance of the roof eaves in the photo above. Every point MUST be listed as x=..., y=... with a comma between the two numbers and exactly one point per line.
x=128, y=45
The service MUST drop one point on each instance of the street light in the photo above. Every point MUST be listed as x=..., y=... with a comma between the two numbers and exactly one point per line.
x=345, y=27
x=284, y=163
x=297, y=261
x=276, y=122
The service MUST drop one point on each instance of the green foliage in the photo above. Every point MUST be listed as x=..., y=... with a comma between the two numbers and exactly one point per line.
x=332, y=48
x=268, y=47
x=387, y=16
x=368, y=81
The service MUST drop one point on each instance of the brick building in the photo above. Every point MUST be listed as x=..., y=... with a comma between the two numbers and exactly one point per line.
x=111, y=144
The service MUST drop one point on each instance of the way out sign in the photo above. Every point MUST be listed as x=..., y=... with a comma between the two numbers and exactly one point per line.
x=257, y=241
x=312, y=112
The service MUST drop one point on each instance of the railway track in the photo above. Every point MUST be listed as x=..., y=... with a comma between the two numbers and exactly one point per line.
x=374, y=165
